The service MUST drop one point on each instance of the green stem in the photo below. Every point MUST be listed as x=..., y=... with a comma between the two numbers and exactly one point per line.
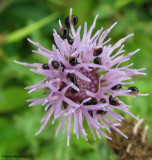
x=25, y=31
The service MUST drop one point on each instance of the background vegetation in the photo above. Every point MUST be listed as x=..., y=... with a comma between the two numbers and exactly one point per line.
x=36, y=19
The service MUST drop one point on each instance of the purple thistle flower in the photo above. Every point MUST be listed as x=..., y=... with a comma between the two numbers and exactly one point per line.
x=84, y=80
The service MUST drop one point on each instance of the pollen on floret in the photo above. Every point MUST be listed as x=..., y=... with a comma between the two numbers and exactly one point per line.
x=84, y=80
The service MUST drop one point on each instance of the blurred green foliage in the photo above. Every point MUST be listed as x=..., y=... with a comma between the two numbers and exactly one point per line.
x=36, y=19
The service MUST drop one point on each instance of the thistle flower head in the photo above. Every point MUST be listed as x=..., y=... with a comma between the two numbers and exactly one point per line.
x=84, y=79
x=137, y=146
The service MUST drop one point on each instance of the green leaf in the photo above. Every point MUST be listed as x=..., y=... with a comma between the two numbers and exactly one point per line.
x=58, y=2
x=12, y=98
x=11, y=140
x=120, y=4
x=25, y=31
